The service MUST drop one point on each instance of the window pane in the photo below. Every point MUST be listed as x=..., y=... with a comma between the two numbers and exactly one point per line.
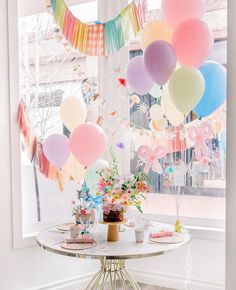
x=183, y=174
x=50, y=71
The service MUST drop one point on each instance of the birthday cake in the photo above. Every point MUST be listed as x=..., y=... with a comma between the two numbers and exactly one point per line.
x=113, y=216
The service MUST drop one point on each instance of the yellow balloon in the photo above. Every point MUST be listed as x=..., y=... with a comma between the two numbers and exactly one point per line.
x=186, y=88
x=153, y=126
x=155, y=30
x=73, y=112
x=74, y=169
x=173, y=115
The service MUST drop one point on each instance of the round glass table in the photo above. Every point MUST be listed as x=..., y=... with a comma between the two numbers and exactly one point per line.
x=112, y=255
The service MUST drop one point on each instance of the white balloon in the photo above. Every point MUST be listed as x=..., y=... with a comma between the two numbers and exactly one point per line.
x=156, y=112
x=73, y=112
x=162, y=123
x=173, y=115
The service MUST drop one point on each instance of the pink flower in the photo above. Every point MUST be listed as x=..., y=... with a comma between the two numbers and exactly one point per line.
x=129, y=191
x=107, y=207
x=125, y=196
x=109, y=182
x=101, y=185
x=119, y=191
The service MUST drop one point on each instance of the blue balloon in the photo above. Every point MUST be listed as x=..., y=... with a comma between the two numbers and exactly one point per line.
x=214, y=96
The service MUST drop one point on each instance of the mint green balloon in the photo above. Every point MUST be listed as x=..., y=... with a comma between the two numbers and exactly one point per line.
x=92, y=177
x=156, y=91
x=186, y=88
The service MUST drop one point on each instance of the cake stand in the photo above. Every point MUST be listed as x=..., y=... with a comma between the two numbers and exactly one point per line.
x=113, y=230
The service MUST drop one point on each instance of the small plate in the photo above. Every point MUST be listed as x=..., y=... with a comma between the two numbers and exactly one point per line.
x=65, y=227
x=78, y=246
x=168, y=240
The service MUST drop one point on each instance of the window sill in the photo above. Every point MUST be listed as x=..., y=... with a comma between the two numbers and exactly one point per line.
x=194, y=210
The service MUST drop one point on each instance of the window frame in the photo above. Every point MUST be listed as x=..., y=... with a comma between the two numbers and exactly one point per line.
x=200, y=227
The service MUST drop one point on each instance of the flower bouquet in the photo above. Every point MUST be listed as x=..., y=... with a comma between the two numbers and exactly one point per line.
x=85, y=206
x=120, y=192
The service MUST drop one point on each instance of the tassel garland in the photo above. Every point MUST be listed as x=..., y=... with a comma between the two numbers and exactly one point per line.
x=101, y=38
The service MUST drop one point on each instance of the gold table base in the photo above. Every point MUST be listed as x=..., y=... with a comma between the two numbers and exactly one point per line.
x=113, y=275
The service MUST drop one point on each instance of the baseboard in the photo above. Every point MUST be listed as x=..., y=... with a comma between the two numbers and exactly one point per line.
x=75, y=283
x=174, y=281
x=146, y=277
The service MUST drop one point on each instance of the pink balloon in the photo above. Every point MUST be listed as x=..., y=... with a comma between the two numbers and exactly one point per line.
x=137, y=77
x=176, y=11
x=160, y=61
x=88, y=142
x=193, y=41
x=56, y=149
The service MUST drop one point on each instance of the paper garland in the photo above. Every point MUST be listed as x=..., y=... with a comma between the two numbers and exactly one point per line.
x=102, y=38
x=35, y=152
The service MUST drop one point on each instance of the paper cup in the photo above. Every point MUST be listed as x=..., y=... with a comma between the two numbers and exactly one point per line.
x=139, y=235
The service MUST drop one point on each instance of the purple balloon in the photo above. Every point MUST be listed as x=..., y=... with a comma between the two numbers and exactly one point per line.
x=137, y=76
x=160, y=61
x=56, y=149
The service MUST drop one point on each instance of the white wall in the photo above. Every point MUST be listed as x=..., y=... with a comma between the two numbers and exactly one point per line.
x=31, y=268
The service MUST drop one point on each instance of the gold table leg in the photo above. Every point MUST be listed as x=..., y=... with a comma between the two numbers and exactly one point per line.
x=113, y=276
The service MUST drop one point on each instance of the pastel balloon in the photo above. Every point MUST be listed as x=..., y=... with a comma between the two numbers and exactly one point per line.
x=176, y=11
x=154, y=126
x=155, y=30
x=215, y=88
x=56, y=149
x=74, y=169
x=193, y=41
x=73, y=112
x=137, y=76
x=156, y=91
x=88, y=142
x=160, y=61
x=173, y=115
x=156, y=112
x=92, y=177
x=186, y=88
x=162, y=123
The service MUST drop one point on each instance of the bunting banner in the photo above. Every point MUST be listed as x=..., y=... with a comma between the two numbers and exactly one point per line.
x=99, y=39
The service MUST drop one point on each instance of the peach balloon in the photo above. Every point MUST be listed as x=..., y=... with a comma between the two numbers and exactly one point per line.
x=176, y=11
x=193, y=41
x=155, y=30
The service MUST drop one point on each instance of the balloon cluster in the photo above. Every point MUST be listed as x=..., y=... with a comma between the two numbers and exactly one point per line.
x=86, y=144
x=181, y=37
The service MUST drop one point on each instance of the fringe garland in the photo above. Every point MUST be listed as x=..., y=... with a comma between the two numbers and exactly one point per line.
x=102, y=38
x=34, y=149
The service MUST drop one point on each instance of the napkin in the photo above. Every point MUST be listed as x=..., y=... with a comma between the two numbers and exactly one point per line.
x=161, y=234
x=80, y=241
